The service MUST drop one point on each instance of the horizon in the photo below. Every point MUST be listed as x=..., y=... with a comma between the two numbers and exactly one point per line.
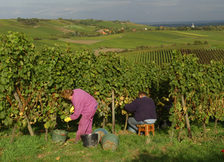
x=150, y=23
x=197, y=22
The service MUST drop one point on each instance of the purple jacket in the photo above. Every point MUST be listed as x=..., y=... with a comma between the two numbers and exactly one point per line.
x=143, y=108
x=84, y=104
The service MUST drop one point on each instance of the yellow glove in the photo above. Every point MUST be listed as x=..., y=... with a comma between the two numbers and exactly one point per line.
x=67, y=119
x=72, y=109
x=123, y=112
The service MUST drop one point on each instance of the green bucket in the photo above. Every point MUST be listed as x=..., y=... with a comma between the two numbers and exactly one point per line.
x=59, y=135
x=110, y=142
x=101, y=132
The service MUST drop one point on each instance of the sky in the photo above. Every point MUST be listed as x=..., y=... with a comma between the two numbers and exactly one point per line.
x=124, y=10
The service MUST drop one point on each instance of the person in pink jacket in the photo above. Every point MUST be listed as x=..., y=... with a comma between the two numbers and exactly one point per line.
x=85, y=105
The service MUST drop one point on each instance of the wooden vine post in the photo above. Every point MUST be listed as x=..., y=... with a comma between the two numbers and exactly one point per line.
x=126, y=121
x=113, y=113
x=186, y=117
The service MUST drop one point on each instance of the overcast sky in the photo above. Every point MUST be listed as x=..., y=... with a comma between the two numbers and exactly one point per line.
x=132, y=10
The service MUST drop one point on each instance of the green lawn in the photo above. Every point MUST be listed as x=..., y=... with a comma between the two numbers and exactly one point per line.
x=131, y=147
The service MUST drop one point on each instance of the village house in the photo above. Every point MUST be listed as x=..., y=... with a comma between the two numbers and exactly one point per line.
x=104, y=31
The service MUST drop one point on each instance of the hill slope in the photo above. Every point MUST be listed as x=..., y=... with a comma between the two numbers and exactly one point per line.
x=114, y=35
x=51, y=31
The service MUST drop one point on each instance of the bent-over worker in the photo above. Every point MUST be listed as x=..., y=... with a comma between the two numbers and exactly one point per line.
x=85, y=105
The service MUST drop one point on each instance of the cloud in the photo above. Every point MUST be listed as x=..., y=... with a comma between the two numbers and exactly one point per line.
x=133, y=10
x=159, y=3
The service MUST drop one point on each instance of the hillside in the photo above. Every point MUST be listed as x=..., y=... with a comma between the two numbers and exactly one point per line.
x=110, y=35
x=62, y=31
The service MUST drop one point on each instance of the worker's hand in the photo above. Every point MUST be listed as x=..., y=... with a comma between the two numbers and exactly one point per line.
x=123, y=112
x=67, y=119
x=72, y=109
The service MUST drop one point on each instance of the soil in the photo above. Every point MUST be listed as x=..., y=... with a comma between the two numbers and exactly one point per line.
x=64, y=30
x=81, y=41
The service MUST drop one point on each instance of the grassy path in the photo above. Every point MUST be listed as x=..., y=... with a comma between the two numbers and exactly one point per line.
x=131, y=148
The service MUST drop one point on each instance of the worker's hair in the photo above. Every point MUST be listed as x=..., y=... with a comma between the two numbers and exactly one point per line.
x=142, y=94
x=66, y=93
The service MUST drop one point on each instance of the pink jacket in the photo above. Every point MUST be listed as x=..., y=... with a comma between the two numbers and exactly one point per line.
x=84, y=104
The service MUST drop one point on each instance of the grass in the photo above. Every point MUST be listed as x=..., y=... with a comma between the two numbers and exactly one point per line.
x=131, y=148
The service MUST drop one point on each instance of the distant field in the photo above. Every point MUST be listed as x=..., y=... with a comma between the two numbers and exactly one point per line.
x=190, y=34
x=153, y=39
x=62, y=32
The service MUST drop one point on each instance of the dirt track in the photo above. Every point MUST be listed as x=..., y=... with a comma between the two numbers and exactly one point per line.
x=88, y=42
x=81, y=41
x=105, y=50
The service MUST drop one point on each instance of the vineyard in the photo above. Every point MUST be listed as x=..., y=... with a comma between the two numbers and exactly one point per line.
x=165, y=56
x=31, y=83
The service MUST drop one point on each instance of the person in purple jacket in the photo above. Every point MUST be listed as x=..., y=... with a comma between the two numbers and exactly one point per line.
x=144, y=110
x=84, y=104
